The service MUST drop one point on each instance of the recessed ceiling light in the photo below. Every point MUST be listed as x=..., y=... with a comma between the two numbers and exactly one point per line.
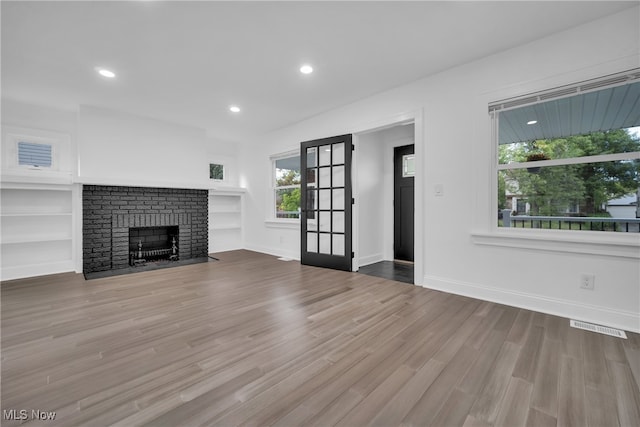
x=532, y=122
x=106, y=73
x=234, y=109
x=306, y=69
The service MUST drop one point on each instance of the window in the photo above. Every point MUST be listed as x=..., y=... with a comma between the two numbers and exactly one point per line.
x=408, y=165
x=36, y=152
x=286, y=186
x=565, y=156
x=33, y=154
x=216, y=172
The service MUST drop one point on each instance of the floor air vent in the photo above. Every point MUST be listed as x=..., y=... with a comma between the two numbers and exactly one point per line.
x=597, y=328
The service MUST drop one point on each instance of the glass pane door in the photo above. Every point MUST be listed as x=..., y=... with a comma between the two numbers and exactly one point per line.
x=326, y=192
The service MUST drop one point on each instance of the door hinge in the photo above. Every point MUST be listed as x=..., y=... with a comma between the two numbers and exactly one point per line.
x=353, y=201
x=353, y=255
x=353, y=147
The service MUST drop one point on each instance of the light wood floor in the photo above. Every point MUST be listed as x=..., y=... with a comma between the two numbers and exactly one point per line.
x=251, y=340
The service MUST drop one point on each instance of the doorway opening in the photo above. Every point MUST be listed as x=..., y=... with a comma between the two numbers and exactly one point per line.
x=384, y=168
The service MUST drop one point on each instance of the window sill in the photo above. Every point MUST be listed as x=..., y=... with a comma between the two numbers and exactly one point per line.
x=620, y=245
x=293, y=224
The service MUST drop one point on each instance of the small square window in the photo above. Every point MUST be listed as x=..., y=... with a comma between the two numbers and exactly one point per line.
x=216, y=171
x=34, y=154
x=408, y=165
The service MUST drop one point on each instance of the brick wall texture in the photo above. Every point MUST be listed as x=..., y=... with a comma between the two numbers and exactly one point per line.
x=109, y=211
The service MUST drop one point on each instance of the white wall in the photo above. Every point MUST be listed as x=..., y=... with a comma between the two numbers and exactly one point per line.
x=373, y=191
x=114, y=148
x=369, y=162
x=461, y=252
x=44, y=122
x=224, y=153
x=122, y=149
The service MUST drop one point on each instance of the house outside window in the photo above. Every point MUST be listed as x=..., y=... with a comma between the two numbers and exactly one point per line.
x=286, y=186
x=564, y=155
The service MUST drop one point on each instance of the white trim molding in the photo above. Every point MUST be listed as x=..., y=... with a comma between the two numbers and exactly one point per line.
x=292, y=223
x=624, y=245
x=620, y=319
x=370, y=259
x=277, y=252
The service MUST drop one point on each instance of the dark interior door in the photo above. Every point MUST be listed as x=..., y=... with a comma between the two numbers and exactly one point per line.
x=403, y=202
x=326, y=202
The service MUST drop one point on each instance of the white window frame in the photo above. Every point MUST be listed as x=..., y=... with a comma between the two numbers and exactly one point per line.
x=619, y=245
x=272, y=219
x=224, y=172
x=62, y=167
x=14, y=139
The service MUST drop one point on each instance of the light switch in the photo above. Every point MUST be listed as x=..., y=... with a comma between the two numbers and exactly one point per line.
x=438, y=190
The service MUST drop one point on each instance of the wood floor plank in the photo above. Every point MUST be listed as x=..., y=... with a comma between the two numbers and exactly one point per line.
x=370, y=406
x=438, y=392
x=455, y=409
x=282, y=406
x=528, y=358
x=537, y=418
x=250, y=340
x=474, y=380
x=545, y=384
x=626, y=393
x=408, y=395
x=595, y=366
x=633, y=359
x=600, y=408
x=571, y=393
x=518, y=332
x=490, y=398
x=514, y=408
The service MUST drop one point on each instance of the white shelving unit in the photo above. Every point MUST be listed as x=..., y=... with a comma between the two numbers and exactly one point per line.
x=37, y=225
x=225, y=219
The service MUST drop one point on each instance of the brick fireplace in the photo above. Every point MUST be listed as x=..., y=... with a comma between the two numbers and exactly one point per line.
x=109, y=212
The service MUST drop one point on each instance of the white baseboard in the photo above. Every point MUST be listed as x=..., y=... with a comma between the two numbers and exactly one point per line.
x=620, y=319
x=21, y=272
x=370, y=259
x=278, y=252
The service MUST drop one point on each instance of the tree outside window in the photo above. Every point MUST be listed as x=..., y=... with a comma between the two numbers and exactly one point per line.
x=216, y=171
x=287, y=187
x=554, y=190
x=562, y=162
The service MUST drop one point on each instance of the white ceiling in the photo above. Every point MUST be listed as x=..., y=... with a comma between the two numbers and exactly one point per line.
x=186, y=62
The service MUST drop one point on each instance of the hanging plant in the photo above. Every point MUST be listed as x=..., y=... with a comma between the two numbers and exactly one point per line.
x=535, y=157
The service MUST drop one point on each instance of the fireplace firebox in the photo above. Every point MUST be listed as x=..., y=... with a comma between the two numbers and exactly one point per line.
x=147, y=244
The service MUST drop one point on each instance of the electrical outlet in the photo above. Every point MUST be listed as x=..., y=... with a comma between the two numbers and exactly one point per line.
x=587, y=281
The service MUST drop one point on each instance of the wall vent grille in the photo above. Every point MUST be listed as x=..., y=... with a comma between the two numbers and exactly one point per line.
x=597, y=328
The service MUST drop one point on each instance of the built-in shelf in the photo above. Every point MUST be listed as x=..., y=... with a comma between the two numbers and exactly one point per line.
x=37, y=229
x=18, y=215
x=225, y=219
x=34, y=239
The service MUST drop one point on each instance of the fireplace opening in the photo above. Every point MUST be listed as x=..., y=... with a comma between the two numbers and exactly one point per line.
x=150, y=244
